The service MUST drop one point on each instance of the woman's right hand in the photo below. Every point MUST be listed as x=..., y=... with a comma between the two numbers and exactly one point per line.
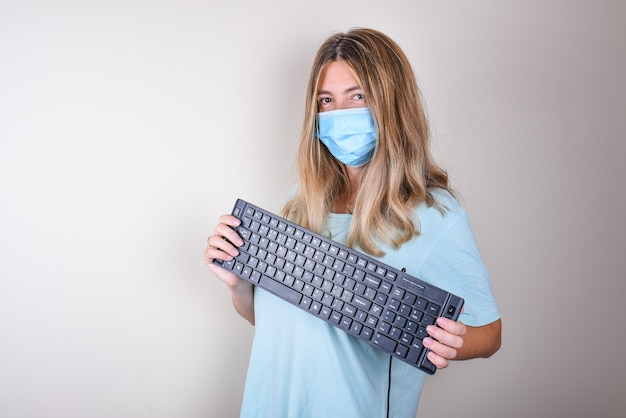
x=222, y=245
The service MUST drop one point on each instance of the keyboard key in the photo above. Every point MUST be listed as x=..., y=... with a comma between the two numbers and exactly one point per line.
x=308, y=289
x=318, y=295
x=372, y=281
x=400, y=321
x=450, y=311
x=370, y=293
x=367, y=333
x=385, y=287
x=428, y=320
x=381, y=298
x=384, y=327
x=395, y=333
x=406, y=339
x=337, y=304
x=306, y=302
x=346, y=296
x=414, y=355
x=356, y=328
x=349, y=310
x=409, y=298
x=325, y=312
x=397, y=293
x=345, y=323
x=361, y=316
x=376, y=310
x=402, y=350
x=281, y=290
x=433, y=309
x=360, y=289
x=389, y=316
x=385, y=342
x=361, y=302
x=246, y=272
x=372, y=321
x=328, y=299
x=316, y=307
x=405, y=310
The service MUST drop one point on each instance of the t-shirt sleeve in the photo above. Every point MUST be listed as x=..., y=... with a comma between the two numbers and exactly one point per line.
x=455, y=264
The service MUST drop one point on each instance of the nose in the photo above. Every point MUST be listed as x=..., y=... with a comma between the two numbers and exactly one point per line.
x=340, y=104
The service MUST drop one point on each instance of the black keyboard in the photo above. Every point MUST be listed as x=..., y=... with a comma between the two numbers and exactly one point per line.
x=379, y=304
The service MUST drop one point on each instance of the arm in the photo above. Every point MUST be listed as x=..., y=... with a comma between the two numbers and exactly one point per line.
x=219, y=247
x=457, y=341
x=481, y=342
x=455, y=262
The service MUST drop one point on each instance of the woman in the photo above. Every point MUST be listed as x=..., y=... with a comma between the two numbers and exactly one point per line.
x=367, y=179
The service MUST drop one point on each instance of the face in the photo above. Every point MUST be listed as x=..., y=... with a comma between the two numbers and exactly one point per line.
x=339, y=88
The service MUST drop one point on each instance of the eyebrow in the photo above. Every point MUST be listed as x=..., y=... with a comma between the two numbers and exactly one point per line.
x=347, y=91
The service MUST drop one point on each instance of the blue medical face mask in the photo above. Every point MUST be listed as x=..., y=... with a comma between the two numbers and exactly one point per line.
x=349, y=134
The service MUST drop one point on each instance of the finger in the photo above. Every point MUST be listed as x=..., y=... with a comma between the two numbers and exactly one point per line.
x=446, y=337
x=226, y=228
x=212, y=253
x=219, y=248
x=226, y=243
x=437, y=360
x=453, y=327
x=229, y=220
x=456, y=328
x=226, y=232
x=441, y=352
x=222, y=244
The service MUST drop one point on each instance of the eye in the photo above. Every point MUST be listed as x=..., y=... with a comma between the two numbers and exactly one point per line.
x=324, y=103
x=358, y=97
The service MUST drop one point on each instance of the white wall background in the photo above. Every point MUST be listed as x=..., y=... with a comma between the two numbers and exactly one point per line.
x=127, y=127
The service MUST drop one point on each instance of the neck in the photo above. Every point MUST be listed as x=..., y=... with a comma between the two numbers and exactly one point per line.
x=355, y=174
x=345, y=203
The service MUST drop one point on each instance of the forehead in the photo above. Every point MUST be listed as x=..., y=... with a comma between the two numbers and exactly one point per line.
x=336, y=74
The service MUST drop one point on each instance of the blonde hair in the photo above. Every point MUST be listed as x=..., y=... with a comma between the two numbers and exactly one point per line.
x=401, y=172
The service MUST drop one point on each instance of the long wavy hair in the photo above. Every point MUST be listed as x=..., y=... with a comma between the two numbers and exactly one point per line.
x=401, y=172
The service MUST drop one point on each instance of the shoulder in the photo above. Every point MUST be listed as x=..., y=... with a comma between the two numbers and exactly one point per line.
x=437, y=225
x=447, y=201
x=446, y=213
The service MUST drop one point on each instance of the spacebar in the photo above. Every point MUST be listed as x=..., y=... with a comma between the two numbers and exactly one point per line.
x=286, y=293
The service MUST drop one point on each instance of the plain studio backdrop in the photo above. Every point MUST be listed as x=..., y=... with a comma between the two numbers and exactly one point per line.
x=128, y=127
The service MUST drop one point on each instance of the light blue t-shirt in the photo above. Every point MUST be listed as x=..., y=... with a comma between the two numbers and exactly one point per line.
x=302, y=367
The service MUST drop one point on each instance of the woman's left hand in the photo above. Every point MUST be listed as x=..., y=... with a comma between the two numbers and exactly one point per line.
x=446, y=339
